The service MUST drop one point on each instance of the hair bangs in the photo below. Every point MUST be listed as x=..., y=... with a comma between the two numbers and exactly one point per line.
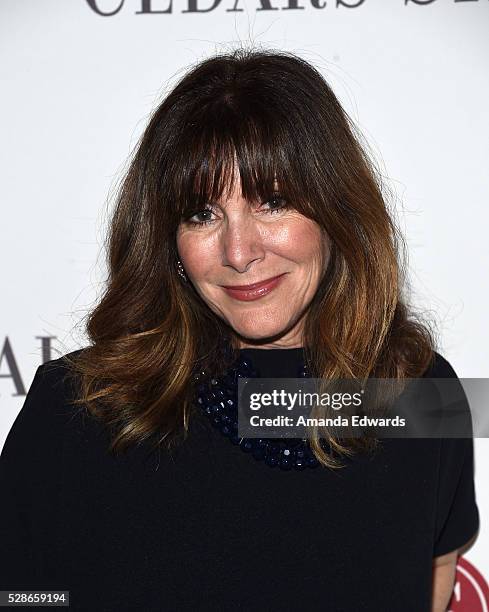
x=231, y=145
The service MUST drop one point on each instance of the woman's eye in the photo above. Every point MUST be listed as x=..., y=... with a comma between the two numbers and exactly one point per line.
x=277, y=203
x=203, y=217
x=194, y=219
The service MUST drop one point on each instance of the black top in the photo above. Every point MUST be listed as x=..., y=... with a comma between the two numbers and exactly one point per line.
x=211, y=528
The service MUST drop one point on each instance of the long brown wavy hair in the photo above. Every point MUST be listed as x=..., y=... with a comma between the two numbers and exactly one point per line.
x=275, y=114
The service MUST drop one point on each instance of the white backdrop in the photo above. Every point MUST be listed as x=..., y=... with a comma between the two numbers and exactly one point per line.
x=78, y=87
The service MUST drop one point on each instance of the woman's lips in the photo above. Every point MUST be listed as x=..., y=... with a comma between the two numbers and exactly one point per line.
x=247, y=293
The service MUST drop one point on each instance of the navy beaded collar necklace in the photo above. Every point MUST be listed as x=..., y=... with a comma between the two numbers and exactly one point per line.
x=217, y=398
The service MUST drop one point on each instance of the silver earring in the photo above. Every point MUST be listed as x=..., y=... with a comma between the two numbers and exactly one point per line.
x=181, y=271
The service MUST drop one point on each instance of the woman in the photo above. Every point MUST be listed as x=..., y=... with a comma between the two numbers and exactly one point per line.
x=251, y=237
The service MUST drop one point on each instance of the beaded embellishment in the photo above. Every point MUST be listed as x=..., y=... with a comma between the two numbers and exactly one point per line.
x=217, y=398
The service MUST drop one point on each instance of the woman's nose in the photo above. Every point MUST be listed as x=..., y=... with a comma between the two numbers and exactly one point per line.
x=241, y=242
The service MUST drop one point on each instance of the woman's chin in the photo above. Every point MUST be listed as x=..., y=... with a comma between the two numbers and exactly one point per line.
x=259, y=330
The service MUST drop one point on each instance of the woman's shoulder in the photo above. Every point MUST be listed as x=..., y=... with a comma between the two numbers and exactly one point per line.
x=439, y=367
x=32, y=448
x=56, y=370
x=52, y=385
x=47, y=406
x=35, y=449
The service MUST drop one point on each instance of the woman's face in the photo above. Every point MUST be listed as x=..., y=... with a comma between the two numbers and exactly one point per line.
x=247, y=243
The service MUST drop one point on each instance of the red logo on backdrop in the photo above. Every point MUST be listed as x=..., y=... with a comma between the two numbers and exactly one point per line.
x=471, y=591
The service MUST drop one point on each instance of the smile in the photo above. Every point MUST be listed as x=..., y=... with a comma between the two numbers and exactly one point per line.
x=255, y=291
